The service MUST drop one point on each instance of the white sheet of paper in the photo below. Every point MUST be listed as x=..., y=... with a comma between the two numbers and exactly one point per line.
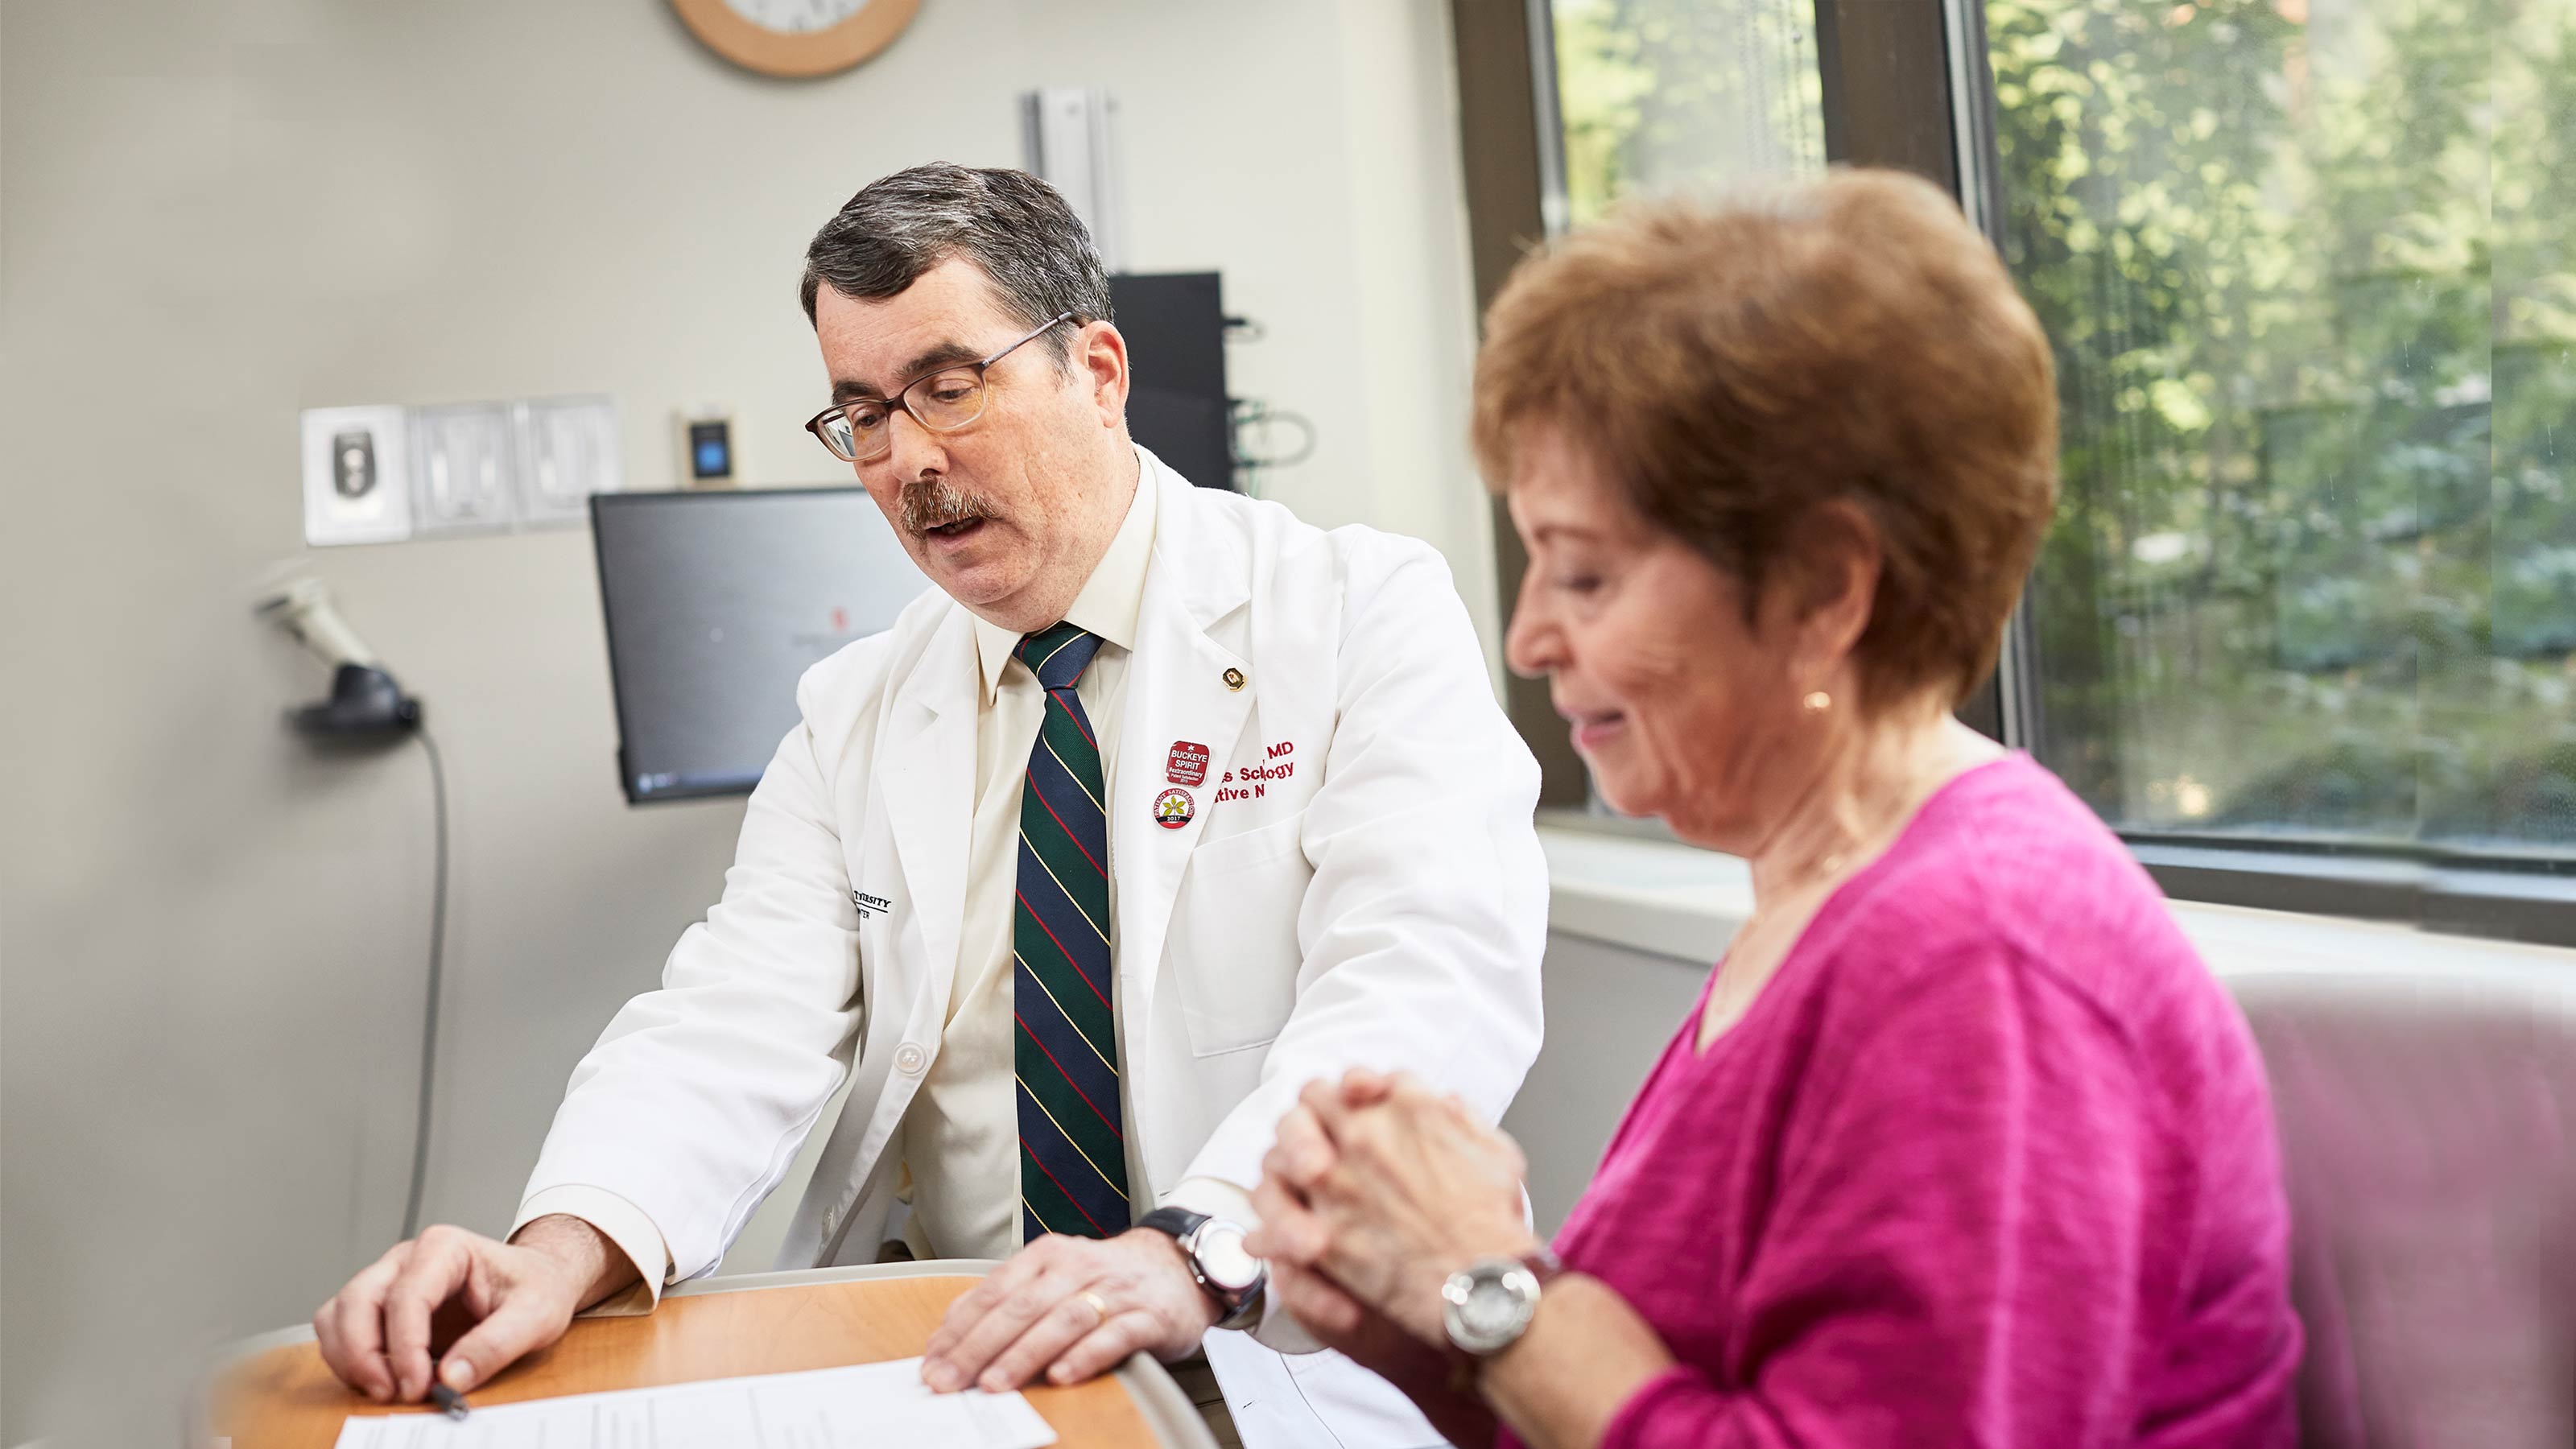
x=863, y=1406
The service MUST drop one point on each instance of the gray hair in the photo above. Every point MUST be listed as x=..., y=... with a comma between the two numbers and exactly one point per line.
x=1014, y=226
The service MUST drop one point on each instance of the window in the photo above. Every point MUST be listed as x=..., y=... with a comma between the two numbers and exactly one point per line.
x=1656, y=97
x=2313, y=576
x=2309, y=602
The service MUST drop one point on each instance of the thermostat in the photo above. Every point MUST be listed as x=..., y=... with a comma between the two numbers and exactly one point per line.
x=707, y=457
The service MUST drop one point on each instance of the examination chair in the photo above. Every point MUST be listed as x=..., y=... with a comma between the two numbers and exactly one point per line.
x=2428, y=1125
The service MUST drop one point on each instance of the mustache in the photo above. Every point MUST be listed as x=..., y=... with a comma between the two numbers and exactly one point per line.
x=929, y=503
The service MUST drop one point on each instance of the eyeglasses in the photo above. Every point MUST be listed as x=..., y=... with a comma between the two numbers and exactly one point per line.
x=942, y=400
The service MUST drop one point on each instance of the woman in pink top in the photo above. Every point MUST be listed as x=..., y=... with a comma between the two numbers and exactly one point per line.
x=1962, y=1145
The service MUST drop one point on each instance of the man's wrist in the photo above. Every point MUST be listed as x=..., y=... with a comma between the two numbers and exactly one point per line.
x=591, y=1259
x=1169, y=1256
x=1171, y=1246
x=1213, y=1250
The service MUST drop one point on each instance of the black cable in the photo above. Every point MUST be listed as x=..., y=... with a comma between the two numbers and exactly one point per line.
x=1249, y=414
x=429, y=1016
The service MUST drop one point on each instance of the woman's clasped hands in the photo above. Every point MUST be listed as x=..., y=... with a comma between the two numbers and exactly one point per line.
x=1376, y=1191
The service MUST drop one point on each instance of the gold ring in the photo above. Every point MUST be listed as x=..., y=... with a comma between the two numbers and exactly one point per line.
x=1097, y=1304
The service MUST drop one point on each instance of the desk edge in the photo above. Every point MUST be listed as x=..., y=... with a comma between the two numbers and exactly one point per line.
x=1150, y=1387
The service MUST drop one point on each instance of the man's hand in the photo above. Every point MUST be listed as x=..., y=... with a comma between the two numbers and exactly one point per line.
x=520, y=1295
x=1070, y=1308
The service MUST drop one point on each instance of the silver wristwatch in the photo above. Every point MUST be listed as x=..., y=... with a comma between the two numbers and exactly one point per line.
x=1486, y=1306
x=1213, y=1247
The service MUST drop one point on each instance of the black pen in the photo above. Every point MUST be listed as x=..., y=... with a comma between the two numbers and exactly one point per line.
x=449, y=1401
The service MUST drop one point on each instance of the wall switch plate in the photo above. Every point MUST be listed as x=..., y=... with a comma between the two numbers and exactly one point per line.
x=465, y=468
x=357, y=475
x=568, y=450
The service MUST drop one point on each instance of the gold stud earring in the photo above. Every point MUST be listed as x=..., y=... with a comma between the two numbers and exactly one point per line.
x=1818, y=702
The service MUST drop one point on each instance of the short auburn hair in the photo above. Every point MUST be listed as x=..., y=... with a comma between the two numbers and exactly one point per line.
x=1733, y=366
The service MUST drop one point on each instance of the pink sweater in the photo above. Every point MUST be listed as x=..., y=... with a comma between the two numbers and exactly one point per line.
x=1990, y=1161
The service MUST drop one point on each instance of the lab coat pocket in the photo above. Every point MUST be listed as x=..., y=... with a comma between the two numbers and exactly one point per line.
x=1234, y=946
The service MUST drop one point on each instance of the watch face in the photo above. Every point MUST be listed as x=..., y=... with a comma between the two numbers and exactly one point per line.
x=1488, y=1305
x=1492, y=1309
x=1219, y=1251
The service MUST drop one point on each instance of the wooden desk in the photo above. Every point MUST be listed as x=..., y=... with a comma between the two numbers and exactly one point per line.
x=278, y=1395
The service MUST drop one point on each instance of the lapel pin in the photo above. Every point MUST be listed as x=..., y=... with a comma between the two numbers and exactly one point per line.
x=1173, y=809
x=1187, y=765
x=1234, y=679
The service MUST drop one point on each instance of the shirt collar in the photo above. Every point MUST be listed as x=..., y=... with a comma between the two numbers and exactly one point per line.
x=1110, y=599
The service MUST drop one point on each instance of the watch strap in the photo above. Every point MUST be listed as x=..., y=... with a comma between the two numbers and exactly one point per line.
x=1182, y=1225
x=1176, y=1222
x=1248, y=1312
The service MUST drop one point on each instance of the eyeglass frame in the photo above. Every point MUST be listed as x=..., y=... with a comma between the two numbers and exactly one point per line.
x=903, y=395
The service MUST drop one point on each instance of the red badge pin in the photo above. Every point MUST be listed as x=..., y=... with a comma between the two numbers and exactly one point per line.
x=1188, y=764
x=1173, y=809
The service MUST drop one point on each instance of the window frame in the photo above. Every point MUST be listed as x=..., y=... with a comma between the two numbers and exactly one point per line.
x=1909, y=85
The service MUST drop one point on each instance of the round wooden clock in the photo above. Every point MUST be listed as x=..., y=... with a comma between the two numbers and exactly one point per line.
x=796, y=37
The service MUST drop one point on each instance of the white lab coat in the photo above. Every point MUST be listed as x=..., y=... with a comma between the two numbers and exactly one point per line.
x=1381, y=903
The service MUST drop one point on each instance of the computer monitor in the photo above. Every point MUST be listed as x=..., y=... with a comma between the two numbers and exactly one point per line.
x=1174, y=323
x=716, y=602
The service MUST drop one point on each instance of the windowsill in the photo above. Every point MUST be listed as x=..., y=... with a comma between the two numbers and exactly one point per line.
x=1667, y=899
x=1657, y=896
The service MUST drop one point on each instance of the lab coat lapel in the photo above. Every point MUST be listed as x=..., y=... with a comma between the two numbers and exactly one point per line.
x=927, y=769
x=1176, y=691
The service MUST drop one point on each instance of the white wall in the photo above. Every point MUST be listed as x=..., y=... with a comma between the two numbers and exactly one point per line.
x=215, y=214
x=1610, y=1012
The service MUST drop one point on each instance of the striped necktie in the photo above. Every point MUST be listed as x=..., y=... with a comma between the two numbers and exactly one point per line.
x=1073, y=1148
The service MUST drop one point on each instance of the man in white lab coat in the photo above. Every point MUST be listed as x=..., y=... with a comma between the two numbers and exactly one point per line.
x=1162, y=805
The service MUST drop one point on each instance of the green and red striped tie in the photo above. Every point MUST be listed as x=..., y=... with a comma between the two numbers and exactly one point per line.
x=1073, y=1148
